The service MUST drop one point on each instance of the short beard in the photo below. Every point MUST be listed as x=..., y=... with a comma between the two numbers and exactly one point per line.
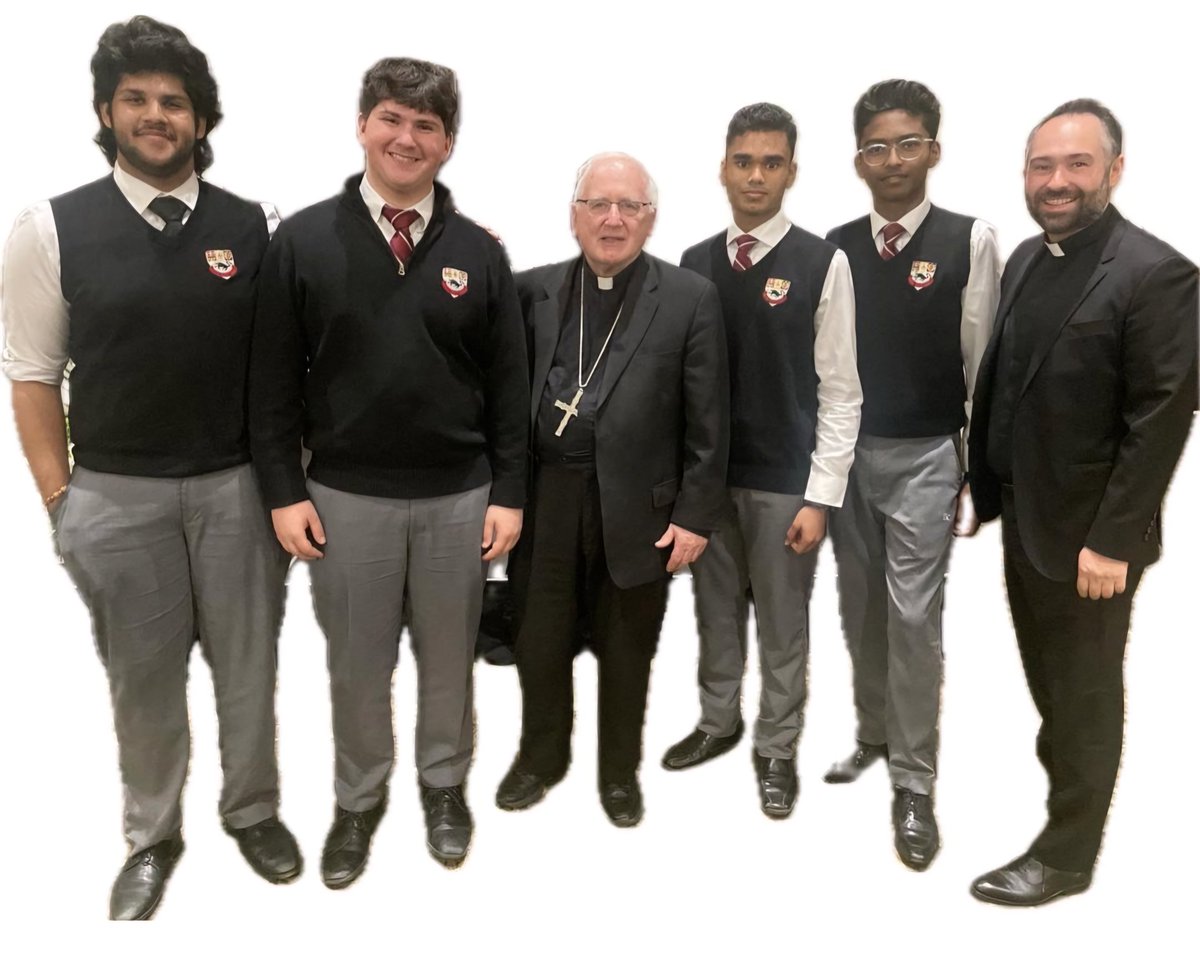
x=158, y=170
x=1087, y=213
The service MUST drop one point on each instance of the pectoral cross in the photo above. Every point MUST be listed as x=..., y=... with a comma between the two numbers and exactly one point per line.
x=569, y=410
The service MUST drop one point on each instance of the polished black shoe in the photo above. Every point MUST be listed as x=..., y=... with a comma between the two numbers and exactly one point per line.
x=520, y=789
x=622, y=802
x=448, y=824
x=269, y=849
x=843, y=772
x=347, y=845
x=1027, y=882
x=915, y=827
x=778, y=785
x=139, y=886
x=699, y=747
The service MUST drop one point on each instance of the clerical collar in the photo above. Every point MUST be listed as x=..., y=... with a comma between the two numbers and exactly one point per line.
x=618, y=282
x=1074, y=244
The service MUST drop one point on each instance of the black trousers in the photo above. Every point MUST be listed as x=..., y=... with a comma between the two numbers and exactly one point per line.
x=567, y=572
x=1073, y=651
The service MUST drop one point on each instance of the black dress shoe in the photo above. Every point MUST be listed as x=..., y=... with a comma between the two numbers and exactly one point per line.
x=140, y=884
x=269, y=849
x=448, y=824
x=622, y=802
x=865, y=755
x=520, y=789
x=916, y=828
x=347, y=845
x=778, y=785
x=1027, y=882
x=699, y=747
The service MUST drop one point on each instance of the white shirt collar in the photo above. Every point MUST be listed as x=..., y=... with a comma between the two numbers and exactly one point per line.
x=770, y=232
x=375, y=203
x=140, y=194
x=911, y=220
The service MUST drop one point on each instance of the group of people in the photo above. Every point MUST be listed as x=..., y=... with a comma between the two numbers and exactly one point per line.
x=367, y=387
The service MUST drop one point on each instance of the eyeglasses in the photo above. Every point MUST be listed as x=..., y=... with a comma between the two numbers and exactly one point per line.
x=628, y=208
x=876, y=153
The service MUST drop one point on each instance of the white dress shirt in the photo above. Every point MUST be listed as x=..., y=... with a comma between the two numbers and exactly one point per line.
x=35, y=315
x=980, y=295
x=835, y=356
x=374, y=202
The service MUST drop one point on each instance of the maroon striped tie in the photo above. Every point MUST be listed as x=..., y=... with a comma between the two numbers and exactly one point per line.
x=401, y=241
x=892, y=233
x=741, y=261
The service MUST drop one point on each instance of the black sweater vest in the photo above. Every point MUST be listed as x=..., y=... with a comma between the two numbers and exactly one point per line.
x=768, y=313
x=159, y=330
x=908, y=325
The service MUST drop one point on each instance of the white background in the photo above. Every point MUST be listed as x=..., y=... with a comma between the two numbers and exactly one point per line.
x=544, y=86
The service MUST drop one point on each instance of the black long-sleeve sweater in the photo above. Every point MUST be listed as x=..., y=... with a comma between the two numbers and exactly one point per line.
x=402, y=386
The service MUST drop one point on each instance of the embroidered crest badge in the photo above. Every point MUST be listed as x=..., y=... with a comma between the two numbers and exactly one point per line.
x=454, y=281
x=221, y=263
x=775, y=291
x=921, y=276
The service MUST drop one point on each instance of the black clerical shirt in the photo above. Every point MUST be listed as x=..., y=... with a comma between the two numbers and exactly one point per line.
x=1051, y=288
x=575, y=447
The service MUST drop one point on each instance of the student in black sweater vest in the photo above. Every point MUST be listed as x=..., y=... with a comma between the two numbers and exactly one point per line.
x=925, y=283
x=388, y=338
x=145, y=281
x=789, y=322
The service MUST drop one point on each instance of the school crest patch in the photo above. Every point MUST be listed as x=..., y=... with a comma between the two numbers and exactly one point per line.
x=921, y=276
x=221, y=263
x=454, y=281
x=775, y=291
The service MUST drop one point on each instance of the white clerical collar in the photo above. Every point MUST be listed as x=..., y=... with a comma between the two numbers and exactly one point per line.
x=770, y=232
x=140, y=194
x=604, y=282
x=910, y=221
x=1055, y=249
x=375, y=203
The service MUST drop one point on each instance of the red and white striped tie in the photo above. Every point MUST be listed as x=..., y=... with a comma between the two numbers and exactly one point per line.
x=892, y=232
x=401, y=241
x=741, y=261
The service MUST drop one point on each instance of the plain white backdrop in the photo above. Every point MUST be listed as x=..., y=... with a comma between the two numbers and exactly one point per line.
x=543, y=87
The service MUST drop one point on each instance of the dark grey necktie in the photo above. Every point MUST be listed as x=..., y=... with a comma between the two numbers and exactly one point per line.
x=171, y=210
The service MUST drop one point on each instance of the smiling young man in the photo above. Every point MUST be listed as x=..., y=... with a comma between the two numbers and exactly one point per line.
x=925, y=284
x=1085, y=397
x=145, y=281
x=388, y=338
x=789, y=322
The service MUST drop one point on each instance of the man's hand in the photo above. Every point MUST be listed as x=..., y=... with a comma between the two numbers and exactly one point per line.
x=292, y=525
x=966, y=523
x=501, y=530
x=807, y=530
x=1099, y=576
x=686, y=549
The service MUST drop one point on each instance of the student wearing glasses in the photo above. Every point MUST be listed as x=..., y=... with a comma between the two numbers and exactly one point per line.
x=926, y=283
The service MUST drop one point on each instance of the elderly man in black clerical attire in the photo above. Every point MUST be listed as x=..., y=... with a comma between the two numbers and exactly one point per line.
x=629, y=417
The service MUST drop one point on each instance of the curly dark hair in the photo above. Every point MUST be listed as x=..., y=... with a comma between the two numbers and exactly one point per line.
x=914, y=98
x=417, y=84
x=144, y=45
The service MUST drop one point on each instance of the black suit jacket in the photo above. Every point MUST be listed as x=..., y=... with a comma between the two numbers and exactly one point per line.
x=662, y=423
x=1103, y=408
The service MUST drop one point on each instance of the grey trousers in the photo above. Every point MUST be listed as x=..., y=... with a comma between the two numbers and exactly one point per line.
x=891, y=540
x=747, y=552
x=378, y=551
x=160, y=562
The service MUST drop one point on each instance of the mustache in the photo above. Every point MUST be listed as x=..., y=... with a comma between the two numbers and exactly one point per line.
x=1047, y=194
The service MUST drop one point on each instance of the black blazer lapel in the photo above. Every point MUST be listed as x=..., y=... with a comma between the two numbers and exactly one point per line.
x=1102, y=267
x=639, y=321
x=547, y=318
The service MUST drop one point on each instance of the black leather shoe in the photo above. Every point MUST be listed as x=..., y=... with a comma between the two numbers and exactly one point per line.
x=448, y=824
x=622, y=802
x=843, y=772
x=1027, y=882
x=347, y=845
x=916, y=828
x=778, y=784
x=139, y=886
x=521, y=789
x=269, y=849
x=699, y=747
